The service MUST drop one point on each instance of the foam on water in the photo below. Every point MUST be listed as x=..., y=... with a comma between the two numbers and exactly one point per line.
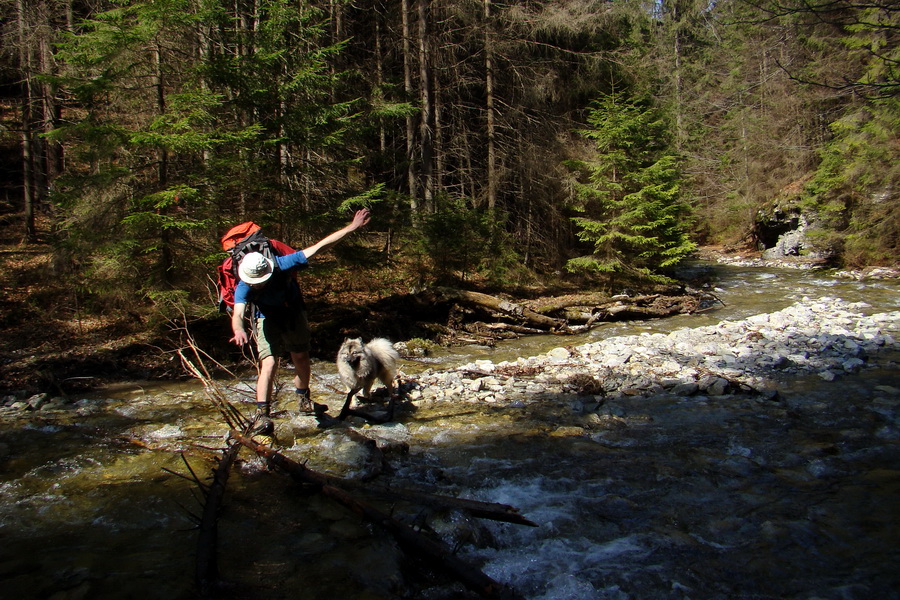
x=558, y=568
x=562, y=559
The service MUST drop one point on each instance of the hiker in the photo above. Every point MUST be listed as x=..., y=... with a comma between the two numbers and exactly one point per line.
x=279, y=314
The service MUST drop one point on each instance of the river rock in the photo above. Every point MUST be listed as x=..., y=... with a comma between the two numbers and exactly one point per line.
x=390, y=437
x=37, y=401
x=343, y=452
x=166, y=432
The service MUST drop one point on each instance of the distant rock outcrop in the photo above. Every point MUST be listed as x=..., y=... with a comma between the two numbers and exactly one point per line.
x=783, y=228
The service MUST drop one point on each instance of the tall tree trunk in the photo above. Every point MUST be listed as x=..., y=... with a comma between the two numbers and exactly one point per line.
x=204, y=57
x=28, y=123
x=438, y=183
x=379, y=75
x=166, y=260
x=489, y=109
x=426, y=143
x=679, y=100
x=159, y=84
x=410, y=124
x=52, y=114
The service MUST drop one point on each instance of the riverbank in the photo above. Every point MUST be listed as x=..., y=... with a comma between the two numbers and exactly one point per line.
x=748, y=258
x=827, y=337
x=751, y=458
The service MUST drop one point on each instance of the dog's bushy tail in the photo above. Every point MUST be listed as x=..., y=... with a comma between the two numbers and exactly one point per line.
x=384, y=352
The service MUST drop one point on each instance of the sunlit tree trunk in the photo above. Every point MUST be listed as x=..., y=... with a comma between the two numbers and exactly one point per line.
x=159, y=85
x=52, y=114
x=379, y=76
x=437, y=178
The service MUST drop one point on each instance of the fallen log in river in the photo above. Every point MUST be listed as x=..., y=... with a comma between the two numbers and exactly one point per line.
x=482, y=318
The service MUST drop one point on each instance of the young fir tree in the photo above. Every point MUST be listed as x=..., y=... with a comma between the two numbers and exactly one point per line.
x=629, y=194
x=122, y=200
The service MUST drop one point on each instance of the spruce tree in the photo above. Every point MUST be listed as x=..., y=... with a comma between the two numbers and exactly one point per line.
x=629, y=194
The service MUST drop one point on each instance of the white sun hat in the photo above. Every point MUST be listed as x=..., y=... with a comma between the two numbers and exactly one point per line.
x=255, y=268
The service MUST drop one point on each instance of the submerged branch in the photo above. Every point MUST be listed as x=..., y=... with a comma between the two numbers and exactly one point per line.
x=207, y=568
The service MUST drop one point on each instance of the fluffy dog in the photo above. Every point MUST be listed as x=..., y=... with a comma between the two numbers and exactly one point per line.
x=359, y=365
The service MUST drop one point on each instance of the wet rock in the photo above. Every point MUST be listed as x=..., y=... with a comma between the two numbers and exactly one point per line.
x=567, y=431
x=37, y=401
x=343, y=452
x=166, y=432
x=558, y=354
x=685, y=389
x=55, y=403
x=828, y=375
x=853, y=365
x=390, y=437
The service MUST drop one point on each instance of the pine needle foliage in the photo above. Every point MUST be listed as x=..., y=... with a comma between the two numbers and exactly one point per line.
x=629, y=194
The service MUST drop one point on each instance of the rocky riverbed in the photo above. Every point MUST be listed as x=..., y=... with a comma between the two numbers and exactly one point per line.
x=827, y=336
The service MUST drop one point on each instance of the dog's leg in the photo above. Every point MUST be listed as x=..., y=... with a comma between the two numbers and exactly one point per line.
x=345, y=410
x=390, y=410
x=367, y=390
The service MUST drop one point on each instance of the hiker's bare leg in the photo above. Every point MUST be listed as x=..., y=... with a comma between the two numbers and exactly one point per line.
x=302, y=370
x=266, y=380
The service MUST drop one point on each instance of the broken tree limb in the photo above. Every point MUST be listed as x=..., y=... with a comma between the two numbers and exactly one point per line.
x=502, y=327
x=410, y=540
x=548, y=306
x=419, y=546
x=648, y=307
x=484, y=510
x=207, y=567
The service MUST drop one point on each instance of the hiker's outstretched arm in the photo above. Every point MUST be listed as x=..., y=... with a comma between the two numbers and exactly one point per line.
x=359, y=219
x=237, y=325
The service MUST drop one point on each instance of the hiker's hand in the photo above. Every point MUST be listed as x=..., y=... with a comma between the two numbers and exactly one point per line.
x=361, y=217
x=240, y=338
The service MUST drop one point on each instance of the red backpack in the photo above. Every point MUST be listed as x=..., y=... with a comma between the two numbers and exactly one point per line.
x=239, y=241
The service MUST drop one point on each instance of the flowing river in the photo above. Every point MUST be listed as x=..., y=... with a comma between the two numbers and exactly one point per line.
x=780, y=483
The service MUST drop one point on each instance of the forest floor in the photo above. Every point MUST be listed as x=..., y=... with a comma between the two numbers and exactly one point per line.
x=53, y=343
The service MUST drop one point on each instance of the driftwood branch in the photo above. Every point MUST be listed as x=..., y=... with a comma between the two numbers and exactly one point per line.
x=518, y=312
x=485, y=510
x=482, y=318
x=415, y=544
x=207, y=568
x=549, y=306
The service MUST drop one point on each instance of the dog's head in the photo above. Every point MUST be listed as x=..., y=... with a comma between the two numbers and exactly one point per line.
x=352, y=351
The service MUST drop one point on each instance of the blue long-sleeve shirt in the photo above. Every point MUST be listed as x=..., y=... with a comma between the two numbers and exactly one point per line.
x=281, y=293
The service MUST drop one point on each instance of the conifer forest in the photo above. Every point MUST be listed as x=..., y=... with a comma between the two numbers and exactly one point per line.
x=500, y=140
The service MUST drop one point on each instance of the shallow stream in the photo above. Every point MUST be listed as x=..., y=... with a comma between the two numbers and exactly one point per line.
x=705, y=497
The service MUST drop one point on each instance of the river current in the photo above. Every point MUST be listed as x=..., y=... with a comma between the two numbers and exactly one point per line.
x=729, y=496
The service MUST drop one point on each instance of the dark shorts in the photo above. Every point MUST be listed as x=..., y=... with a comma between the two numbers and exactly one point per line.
x=275, y=337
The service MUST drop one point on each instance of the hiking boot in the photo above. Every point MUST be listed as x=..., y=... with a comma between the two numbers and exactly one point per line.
x=304, y=401
x=263, y=426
